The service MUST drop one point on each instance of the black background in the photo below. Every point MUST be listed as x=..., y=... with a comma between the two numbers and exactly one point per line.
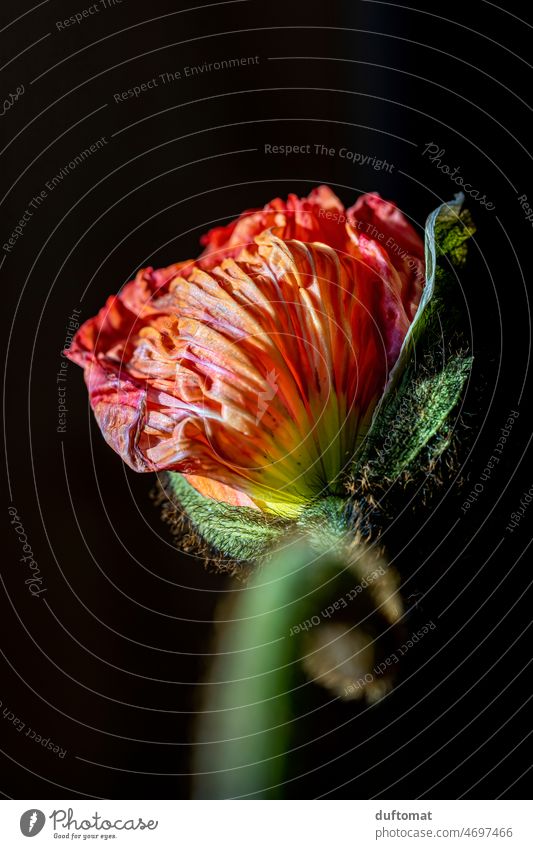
x=107, y=663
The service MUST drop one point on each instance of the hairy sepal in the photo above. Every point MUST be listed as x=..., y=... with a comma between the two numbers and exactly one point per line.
x=414, y=421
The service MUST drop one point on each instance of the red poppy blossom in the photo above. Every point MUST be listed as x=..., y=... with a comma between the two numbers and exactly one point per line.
x=255, y=370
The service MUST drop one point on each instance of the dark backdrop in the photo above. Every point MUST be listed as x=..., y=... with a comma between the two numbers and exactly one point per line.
x=106, y=663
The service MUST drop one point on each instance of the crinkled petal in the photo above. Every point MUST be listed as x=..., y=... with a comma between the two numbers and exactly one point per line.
x=382, y=222
x=261, y=374
x=255, y=370
x=311, y=219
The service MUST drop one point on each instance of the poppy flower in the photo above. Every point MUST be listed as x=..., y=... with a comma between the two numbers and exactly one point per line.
x=255, y=370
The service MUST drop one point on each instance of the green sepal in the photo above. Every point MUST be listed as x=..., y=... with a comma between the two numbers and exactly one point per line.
x=410, y=427
x=416, y=414
x=239, y=533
